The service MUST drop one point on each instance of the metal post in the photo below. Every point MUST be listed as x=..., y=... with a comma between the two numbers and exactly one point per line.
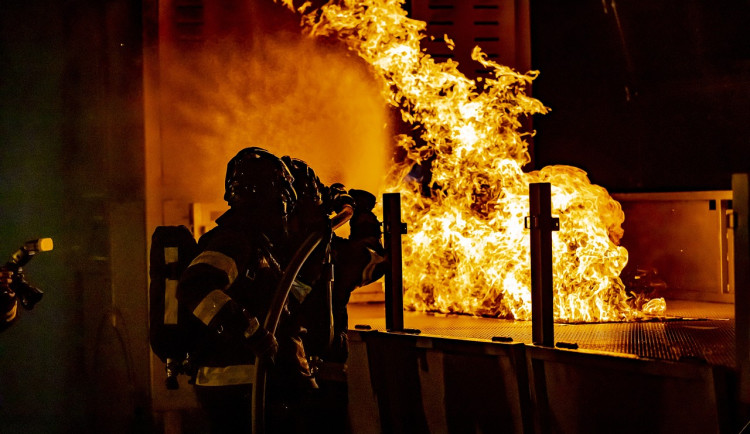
x=741, y=223
x=393, y=227
x=541, y=224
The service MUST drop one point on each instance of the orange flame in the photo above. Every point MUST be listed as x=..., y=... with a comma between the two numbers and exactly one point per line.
x=467, y=250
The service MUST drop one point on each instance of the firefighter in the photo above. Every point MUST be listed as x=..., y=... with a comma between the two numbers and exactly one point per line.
x=358, y=260
x=230, y=284
x=342, y=264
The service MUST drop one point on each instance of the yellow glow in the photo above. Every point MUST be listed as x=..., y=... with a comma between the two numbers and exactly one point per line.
x=45, y=244
x=286, y=93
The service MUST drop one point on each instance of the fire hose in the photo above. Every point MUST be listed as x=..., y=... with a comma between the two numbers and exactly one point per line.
x=273, y=317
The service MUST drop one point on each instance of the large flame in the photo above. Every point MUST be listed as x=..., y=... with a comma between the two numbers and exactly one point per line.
x=467, y=250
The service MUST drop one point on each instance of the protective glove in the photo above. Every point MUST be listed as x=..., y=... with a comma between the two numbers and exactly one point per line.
x=263, y=344
x=364, y=200
x=363, y=224
x=339, y=351
x=338, y=197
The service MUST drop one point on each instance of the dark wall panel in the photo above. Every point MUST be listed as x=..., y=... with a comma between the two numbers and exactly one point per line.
x=71, y=168
x=645, y=95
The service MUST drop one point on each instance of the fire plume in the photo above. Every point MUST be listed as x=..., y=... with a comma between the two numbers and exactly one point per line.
x=467, y=250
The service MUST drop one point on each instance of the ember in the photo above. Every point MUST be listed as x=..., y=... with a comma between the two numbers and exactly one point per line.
x=467, y=250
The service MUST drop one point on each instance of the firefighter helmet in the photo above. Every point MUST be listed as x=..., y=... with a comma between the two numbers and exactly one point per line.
x=306, y=182
x=258, y=179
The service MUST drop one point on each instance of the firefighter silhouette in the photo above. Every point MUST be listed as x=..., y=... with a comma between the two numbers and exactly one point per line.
x=275, y=203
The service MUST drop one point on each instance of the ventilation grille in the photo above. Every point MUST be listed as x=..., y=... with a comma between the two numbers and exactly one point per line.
x=490, y=24
x=189, y=20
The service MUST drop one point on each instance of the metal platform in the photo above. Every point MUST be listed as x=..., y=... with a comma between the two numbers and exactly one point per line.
x=693, y=332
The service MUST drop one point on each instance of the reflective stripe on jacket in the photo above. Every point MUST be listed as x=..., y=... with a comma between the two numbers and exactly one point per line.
x=225, y=375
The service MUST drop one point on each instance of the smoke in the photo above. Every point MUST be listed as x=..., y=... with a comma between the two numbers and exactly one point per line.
x=291, y=95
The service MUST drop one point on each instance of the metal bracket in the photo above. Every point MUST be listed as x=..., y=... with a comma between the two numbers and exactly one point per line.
x=731, y=220
x=402, y=228
x=532, y=222
x=394, y=285
x=541, y=224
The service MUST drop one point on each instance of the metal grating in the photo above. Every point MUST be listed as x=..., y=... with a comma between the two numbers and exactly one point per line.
x=695, y=332
x=189, y=19
x=490, y=24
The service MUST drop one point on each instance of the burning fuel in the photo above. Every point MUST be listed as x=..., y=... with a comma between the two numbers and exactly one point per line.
x=467, y=250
